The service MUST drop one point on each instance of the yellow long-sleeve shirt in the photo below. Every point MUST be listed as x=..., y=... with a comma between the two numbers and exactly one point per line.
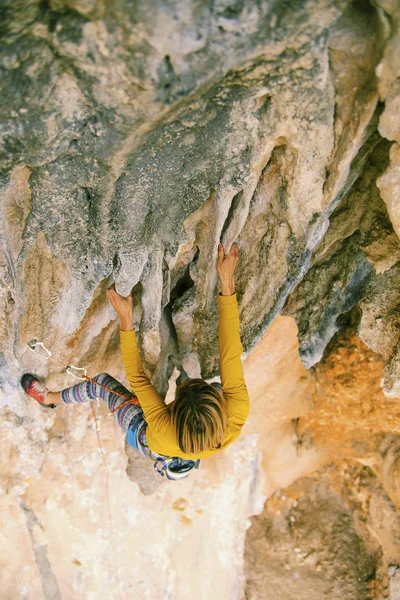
x=161, y=436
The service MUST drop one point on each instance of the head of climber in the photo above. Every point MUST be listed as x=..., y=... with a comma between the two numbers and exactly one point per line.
x=199, y=416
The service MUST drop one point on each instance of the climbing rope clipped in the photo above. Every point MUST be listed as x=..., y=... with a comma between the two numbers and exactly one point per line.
x=34, y=345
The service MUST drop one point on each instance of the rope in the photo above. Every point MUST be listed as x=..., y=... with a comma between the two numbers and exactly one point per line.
x=68, y=368
x=133, y=400
x=107, y=486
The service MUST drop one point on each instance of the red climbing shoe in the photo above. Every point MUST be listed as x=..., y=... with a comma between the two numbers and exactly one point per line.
x=35, y=389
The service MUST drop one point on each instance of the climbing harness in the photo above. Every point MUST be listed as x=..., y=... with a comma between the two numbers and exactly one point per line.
x=33, y=344
x=173, y=468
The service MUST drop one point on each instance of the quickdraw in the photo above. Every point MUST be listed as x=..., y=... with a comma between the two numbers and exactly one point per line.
x=47, y=355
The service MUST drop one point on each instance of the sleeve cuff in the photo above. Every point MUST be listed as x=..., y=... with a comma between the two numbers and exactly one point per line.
x=227, y=299
x=127, y=339
x=228, y=305
x=127, y=335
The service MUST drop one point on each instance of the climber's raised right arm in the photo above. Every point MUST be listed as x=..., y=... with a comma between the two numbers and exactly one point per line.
x=152, y=404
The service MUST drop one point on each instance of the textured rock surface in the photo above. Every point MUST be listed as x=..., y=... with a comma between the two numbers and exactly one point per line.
x=134, y=136
x=132, y=145
x=335, y=534
x=306, y=544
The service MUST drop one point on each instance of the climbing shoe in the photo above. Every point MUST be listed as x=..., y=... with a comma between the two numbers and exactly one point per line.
x=36, y=390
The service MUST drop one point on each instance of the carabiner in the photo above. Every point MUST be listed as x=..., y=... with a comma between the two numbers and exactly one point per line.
x=32, y=345
x=163, y=471
x=69, y=371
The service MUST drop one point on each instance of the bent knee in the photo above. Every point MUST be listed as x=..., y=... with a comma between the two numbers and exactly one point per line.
x=102, y=376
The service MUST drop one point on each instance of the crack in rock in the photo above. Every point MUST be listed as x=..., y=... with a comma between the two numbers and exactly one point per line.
x=50, y=586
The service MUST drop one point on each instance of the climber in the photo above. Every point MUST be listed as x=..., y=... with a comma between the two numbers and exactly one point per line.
x=203, y=419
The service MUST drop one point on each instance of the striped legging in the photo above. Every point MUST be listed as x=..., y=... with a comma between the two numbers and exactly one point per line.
x=130, y=417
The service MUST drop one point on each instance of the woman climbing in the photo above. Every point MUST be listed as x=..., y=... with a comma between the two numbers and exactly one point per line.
x=203, y=419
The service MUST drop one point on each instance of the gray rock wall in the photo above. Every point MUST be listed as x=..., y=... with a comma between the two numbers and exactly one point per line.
x=134, y=139
x=134, y=136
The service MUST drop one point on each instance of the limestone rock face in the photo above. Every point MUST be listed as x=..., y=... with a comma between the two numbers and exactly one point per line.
x=134, y=136
x=306, y=544
x=135, y=139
